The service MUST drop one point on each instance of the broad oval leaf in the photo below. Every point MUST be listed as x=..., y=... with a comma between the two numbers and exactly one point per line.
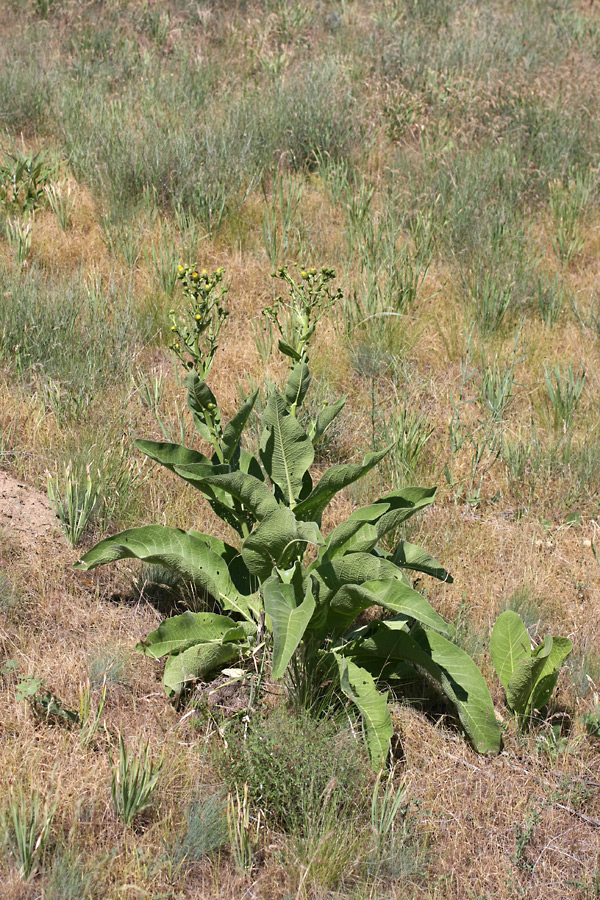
x=402, y=505
x=412, y=557
x=465, y=686
x=353, y=599
x=196, y=662
x=171, y=455
x=447, y=664
x=510, y=644
x=180, y=632
x=276, y=541
x=547, y=678
x=250, y=491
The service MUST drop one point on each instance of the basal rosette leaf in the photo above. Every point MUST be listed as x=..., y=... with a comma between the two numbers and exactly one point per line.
x=510, y=644
x=448, y=665
x=359, y=686
x=186, y=553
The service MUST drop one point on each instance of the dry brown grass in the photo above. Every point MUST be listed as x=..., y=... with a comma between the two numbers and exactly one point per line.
x=525, y=824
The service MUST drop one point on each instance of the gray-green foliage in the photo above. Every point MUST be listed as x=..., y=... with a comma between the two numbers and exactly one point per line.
x=293, y=765
x=310, y=587
x=528, y=675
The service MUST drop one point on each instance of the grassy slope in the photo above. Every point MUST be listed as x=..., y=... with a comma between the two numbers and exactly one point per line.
x=460, y=135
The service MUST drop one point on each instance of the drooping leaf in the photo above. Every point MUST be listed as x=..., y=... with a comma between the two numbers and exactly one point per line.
x=171, y=455
x=401, y=506
x=510, y=644
x=297, y=384
x=252, y=493
x=358, y=685
x=447, y=664
x=391, y=594
x=289, y=616
x=235, y=427
x=276, y=540
x=414, y=558
x=180, y=632
x=465, y=686
x=333, y=481
x=196, y=662
x=185, y=553
x=286, y=451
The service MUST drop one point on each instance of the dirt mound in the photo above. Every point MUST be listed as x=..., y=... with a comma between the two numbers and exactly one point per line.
x=23, y=510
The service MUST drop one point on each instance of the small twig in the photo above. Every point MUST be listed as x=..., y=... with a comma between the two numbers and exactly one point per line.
x=587, y=819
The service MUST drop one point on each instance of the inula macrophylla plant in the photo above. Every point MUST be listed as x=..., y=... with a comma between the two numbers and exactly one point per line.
x=306, y=587
x=528, y=675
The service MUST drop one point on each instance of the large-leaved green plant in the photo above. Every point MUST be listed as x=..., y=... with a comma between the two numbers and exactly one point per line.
x=307, y=587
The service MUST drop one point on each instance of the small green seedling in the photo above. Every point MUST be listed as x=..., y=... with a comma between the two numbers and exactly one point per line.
x=528, y=675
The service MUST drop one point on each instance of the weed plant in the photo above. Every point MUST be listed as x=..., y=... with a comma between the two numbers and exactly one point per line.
x=295, y=765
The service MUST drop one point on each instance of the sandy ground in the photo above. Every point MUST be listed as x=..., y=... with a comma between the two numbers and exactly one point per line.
x=25, y=511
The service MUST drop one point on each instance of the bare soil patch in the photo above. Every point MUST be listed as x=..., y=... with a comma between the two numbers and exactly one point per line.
x=24, y=510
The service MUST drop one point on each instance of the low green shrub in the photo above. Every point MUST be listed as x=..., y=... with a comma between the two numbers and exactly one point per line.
x=294, y=765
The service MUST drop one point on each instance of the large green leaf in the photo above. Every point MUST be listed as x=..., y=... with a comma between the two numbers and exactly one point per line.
x=235, y=427
x=180, y=632
x=324, y=420
x=447, y=664
x=183, y=552
x=276, y=541
x=534, y=678
x=171, y=455
x=523, y=680
x=359, y=686
x=353, y=568
x=465, y=686
x=333, y=481
x=289, y=616
x=391, y=594
x=510, y=644
x=356, y=534
x=402, y=505
x=286, y=450
x=196, y=662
